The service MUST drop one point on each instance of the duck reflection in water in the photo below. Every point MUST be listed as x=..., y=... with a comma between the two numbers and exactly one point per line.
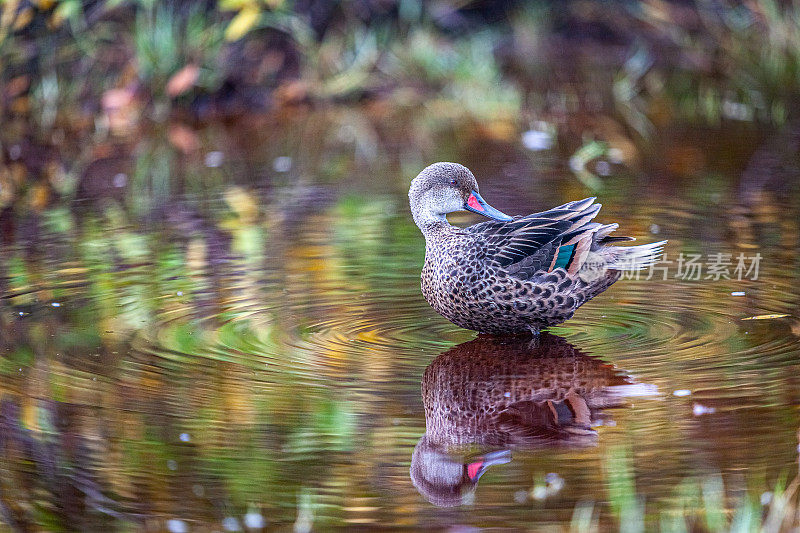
x=508, y=393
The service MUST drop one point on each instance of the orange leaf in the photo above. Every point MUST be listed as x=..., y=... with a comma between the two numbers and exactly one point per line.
x=183, y=80
x=183, y=138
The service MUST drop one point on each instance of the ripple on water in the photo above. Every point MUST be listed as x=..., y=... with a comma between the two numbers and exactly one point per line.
x=303, y=364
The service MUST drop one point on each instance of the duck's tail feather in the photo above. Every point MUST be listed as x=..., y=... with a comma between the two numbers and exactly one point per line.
x=635, y=257
x=609, y=240
x=602, y=235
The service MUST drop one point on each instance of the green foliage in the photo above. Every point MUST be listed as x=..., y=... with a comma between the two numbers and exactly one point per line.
x=743, y=64
x=590, y=151
x=626, y=506
x=166, y=40
x=464, y=71
x=14, y=362
x=696, y=504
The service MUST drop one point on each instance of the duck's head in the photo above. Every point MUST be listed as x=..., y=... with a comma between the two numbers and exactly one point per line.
x=447, y=480
x=446, y=187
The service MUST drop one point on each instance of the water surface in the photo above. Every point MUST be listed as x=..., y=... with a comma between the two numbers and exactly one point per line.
x=253, y=355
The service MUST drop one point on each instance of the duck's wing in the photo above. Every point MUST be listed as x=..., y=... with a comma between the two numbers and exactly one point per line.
x=542, y=242
x=531, y=422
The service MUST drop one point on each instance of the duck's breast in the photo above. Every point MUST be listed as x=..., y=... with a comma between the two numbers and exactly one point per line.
x=454, y=270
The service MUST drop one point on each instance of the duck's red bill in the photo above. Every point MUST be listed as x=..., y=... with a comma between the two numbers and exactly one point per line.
x=474, y=203
x=476, y=468
x=473, y=469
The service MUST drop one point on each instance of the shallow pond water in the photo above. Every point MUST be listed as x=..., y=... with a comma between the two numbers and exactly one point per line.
x=251, y=357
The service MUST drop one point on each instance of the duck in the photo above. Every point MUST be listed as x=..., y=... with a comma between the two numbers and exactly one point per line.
x=513, y=274
x=507, y=393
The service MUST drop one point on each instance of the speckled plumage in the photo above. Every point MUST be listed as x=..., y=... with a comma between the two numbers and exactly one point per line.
x=508, y=393
x=516, y=276
x=498, y=391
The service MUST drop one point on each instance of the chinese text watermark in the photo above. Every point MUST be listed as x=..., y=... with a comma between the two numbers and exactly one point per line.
x=696, y=267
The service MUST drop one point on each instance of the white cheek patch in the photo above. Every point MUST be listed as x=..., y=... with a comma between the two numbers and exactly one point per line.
x=450, y=201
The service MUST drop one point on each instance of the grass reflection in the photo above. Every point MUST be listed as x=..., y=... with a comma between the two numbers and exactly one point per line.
x=258, y=349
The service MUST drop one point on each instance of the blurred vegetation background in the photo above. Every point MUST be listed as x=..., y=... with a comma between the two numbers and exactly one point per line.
x=138, y=324
x=105, y=97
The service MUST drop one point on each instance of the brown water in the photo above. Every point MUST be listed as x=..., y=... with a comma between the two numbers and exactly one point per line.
x=253, y=356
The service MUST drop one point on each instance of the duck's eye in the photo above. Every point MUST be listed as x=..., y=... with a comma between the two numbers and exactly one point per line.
x=453, y=181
